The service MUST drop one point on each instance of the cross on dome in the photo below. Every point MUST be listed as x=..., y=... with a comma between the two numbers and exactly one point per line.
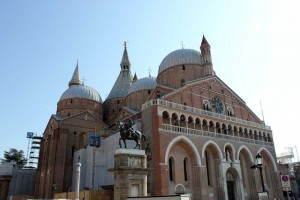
x=182, y=45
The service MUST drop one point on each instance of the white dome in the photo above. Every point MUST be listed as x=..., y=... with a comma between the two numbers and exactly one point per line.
x=142, y=84
x=82, y=92
x=180, y=57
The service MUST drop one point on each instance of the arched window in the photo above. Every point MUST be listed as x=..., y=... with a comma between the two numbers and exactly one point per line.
x=185, y=169
x=207, y=167
x=230, y=111
x=171, y=169
x=206, y=105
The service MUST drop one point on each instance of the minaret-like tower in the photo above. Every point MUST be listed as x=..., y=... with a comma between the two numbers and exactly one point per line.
x=206, y=57
x=116, y=98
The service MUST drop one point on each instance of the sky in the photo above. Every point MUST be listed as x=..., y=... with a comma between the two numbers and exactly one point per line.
x=255, y=48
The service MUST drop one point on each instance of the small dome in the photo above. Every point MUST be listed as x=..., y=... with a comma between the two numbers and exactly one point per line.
x=180, y=57
x=81, y=91
x=142, y=84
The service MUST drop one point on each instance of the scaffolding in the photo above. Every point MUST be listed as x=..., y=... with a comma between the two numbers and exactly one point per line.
x=34, y=151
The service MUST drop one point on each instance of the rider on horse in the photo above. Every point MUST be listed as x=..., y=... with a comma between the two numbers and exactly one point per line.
x=129, y=128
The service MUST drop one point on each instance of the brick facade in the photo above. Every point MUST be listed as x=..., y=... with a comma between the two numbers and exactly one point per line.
x=201, y=136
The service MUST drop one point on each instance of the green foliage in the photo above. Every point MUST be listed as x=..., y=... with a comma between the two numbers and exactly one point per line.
x=15, y=155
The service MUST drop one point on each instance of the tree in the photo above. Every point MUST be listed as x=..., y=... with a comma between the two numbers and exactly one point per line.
x=15, y=155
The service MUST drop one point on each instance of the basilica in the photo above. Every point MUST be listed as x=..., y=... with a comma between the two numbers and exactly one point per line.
x=201, y=137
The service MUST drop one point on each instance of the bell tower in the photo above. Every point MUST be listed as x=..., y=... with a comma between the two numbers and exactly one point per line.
x=206, y=57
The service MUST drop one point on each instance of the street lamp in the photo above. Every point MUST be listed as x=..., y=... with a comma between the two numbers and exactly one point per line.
x=259, y=161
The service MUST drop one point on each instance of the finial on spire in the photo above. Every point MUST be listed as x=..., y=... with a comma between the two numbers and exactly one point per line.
x=125, y=44
x=125, y=64
x=182, y=45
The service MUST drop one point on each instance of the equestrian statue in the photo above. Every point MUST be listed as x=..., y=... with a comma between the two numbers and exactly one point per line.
x=128, y=133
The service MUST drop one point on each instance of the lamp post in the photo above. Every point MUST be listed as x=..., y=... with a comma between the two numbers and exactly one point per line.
x=259, y=161
x=78, y=180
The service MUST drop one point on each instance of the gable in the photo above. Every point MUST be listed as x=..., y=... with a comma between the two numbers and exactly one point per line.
x=53, y=122
x=159, y=91
x=125, y=113
x=211, y=90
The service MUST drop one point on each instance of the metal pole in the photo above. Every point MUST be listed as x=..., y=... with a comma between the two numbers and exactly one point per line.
x=78, y=181
x=262, y=179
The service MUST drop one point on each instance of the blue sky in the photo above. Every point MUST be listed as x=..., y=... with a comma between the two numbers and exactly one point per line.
x=255, y=48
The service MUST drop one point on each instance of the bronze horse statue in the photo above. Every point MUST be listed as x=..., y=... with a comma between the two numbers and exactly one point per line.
x=128, y=133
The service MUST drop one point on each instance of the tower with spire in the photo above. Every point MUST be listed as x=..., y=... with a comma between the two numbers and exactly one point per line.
x=116, y=98
x=206, y=57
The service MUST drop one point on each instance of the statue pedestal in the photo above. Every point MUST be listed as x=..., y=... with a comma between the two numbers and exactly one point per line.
x=130, y=173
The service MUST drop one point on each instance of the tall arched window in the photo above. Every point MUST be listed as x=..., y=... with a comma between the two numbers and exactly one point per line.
x=185, y=169
x=207, y=167
x=171, y=169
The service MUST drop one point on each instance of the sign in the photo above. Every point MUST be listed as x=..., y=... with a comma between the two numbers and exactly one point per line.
x=29, y=134
x=94, y=140
x=263, y=196
x=285, y=181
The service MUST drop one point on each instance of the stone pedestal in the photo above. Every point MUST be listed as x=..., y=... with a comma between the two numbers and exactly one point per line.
x=130, y=173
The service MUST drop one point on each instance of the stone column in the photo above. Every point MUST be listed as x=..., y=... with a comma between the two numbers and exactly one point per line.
x=130, y=173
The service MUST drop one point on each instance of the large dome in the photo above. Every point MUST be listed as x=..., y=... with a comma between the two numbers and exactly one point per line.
x=142, y=84
x=180, y=57
x=82, y=92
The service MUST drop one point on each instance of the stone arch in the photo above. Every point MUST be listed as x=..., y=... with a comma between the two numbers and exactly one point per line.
x=246, y=161
x=182, y=120
x=230, y=130
x=205, y=126
x=243, y=147
x=211, y=125
x=166, y=117
x=268, y=168
x=198, y=123
x=235, y=131
x=189, y=144
x=190, y=122
x=224, y=128
x=175, y=119
x=232, y=155
x=218, y=127
x=215, y=145
x=232, y=178
x=267, y=154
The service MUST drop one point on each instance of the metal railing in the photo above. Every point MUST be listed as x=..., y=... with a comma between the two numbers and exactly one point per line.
x=209, y=134
x=202, y=112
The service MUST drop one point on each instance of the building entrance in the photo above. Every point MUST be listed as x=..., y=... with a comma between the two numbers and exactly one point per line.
x=230, y=190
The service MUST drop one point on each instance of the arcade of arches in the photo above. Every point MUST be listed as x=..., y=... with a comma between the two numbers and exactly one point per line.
x=221, y=170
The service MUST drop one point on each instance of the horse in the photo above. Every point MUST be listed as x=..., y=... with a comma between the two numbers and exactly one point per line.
x=125, y=131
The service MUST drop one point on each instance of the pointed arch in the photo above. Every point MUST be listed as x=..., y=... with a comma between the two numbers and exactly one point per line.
x=232, y=147
x=247, y=150
x=263, y=149
x=215, y=145
x=186, y=140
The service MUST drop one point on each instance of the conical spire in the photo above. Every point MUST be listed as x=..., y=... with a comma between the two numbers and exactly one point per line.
x=75, y=78
x=124, y=80
x=204, y=41
x=125, y=63
x=135, y=78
